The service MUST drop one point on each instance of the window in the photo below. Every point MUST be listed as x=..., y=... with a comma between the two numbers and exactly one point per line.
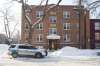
x=66, y=14
x=97, y=36
x=67, y=26
x=52, y=31
x=23, y=47
x=39, y=38
x=77, y=14
x=53, y=19
x=39, y=14
x=66, y=37
x=39, y=26
x=12, y=46
x=97, y=26
x=26, y=26
x=27, y=47
x=97, y=45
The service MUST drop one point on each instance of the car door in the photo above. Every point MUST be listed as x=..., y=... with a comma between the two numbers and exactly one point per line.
x=22, y=50
x=31, y=50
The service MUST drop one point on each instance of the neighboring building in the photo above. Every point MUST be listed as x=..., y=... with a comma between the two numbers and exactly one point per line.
x=3, y=39
x=59, y=28
x=95, y=33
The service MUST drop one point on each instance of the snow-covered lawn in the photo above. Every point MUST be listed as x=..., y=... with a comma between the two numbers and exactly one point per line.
x=72, y=51
x=75, y=53
x=4, y=51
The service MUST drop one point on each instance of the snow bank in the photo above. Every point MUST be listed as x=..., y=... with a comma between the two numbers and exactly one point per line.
x=72, y=51
x=3, y=50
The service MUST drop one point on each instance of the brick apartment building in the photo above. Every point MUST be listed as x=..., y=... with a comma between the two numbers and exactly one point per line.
x=60, y=27
x=95, y=33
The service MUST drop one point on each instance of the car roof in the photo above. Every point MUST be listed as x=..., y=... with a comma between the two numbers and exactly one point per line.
x=22, y=44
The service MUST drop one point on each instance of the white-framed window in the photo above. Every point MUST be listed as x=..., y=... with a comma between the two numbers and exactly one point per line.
x=53, y=19
x=97, y=26
x=66, y=14
x=39, y=26
x=39, y=38
x=39, y=14
x=52, y=30
x=97, y=36
x=77, y=14
x=97, y=45
x=66, y=37
x=26, y=26
x=67, y=26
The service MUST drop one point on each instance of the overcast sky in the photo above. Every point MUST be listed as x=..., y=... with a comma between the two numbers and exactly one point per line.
x=15, y=11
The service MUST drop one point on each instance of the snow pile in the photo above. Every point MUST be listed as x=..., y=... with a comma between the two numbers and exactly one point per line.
x=4, y=51
x=72, y=51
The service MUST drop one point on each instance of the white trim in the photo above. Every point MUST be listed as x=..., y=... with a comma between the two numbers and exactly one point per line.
x=53, y=36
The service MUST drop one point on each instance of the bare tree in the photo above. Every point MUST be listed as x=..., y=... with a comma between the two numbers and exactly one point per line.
x=7, y=18
x=25, y=6
x=93, y=7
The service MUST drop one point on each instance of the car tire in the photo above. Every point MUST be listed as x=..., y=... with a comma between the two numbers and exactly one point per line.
x=38, y=55
x=14, y=55
x=46, y=53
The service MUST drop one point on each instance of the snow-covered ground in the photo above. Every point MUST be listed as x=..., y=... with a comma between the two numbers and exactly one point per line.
x=3, y=51
x=75, y=53
x=64, y=52
x=67, y=56
x=72, y=51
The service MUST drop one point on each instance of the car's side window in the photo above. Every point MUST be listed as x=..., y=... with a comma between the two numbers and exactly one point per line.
x=23, y=47
x=27, y=47
x=12, y=46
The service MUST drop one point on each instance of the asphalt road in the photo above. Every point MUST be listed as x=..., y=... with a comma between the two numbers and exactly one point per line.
x=49, y=61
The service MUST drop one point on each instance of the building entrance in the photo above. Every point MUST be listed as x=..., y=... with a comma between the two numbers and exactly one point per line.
x=52, y=44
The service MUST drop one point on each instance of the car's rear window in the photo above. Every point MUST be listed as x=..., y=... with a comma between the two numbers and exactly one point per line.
x=12, y=46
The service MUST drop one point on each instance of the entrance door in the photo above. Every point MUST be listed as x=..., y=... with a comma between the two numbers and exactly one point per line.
x=52, y=44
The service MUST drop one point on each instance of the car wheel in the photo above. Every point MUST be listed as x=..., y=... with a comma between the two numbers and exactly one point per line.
x=14, y=55
x=38, y=55
x=46, y=53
